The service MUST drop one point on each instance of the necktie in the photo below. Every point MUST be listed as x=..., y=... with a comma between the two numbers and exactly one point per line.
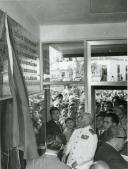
x=58, y=123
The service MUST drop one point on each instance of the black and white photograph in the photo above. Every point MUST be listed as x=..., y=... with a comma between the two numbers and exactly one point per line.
x=63, y=84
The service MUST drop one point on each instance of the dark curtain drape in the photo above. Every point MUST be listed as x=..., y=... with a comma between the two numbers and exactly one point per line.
x=2, y=37
x=26, y=134
x=17, y=134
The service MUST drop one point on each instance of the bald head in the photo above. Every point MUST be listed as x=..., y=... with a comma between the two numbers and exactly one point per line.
x=85, y=120
x=99, y=165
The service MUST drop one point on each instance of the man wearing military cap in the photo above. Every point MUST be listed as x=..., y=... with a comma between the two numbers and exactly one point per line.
x=82, y=144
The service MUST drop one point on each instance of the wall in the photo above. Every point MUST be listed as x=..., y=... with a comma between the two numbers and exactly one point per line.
x=83, y=31
x=15, y=11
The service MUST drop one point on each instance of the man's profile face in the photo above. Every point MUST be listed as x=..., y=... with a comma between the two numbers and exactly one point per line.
x=99, y=122
x=84, y=120
x=119, y=113
x=55, y=115
x=107, y=123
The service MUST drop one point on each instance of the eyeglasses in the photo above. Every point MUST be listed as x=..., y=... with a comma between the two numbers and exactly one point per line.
x=122, y=137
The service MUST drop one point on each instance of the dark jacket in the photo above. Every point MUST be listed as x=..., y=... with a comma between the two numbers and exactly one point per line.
x=53, y=128
x=112, y=157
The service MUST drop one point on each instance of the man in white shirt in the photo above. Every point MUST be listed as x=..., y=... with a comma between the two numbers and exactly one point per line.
x=82, y=144
x=49, y=160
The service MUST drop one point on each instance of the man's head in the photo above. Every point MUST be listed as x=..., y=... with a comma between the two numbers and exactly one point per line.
x=116, y=136
x=100, y=120
x=54, y=112
x=110, y=120
x=108, y=105
x=120, y=112
x=84, y=120
x=81, y=108
x=116, y=101
x=54, y=142
x=99, y=165
x=59, y=97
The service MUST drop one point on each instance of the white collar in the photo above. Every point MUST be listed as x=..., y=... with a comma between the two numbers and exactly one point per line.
x=56, y=122
x=85, y=128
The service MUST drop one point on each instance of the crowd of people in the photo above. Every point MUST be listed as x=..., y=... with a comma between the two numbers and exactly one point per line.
x=79, y=140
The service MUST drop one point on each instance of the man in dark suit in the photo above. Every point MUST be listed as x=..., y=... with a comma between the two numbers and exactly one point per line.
x=110, y=120
x=99, y=123
x=49, y=160
x=109, y=151
x=54, y=126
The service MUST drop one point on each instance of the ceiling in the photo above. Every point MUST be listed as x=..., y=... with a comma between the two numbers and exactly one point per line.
x=74, y=49
x=49, y=12
x=109, y=50
x=69, y=47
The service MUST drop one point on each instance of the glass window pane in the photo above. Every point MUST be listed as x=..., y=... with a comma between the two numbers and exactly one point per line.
x=63, y=62
x=109, y=63
x=70, y=92
x=37, y=112
x=72, y=102
x=109, y=68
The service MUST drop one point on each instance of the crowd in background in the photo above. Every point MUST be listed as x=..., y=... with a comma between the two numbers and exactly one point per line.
x=67, y=109
x=71, y=102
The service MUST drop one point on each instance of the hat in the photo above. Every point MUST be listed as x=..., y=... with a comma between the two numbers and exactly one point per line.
x=115, y=132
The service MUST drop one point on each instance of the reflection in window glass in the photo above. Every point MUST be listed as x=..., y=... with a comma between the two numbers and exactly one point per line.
x=4, y=78
x=37, y=113
x=70, y=92
x=66, y=62
x=5, y=85
x=72, y=100
x=110, y=68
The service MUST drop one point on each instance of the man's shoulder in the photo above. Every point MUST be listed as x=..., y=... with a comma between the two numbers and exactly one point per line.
x=35, y=163
x=49, y=123
x=45, y=159
x=104, y=146
x=91, y=131
x=56, y=163
x=107, y=151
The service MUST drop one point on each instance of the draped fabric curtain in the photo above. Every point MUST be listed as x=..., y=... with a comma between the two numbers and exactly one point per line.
x=16, y=125
x=2, y=29
x=26, y=137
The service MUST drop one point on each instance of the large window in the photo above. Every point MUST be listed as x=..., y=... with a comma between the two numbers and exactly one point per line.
x=63, y=62
x=64, y=73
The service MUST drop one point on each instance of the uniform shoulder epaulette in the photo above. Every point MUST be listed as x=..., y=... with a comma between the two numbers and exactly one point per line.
x=92, y=131
x=85, y=137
